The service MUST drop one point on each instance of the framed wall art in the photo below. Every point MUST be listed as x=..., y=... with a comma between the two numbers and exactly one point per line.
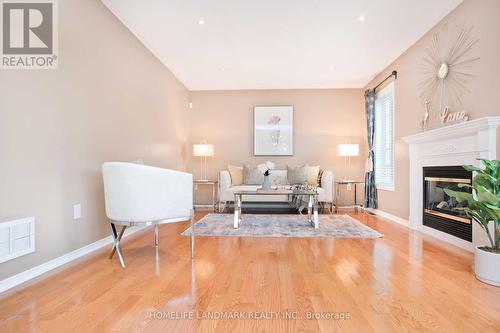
x=273, y=130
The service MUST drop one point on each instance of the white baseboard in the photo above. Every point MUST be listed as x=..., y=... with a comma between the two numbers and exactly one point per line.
x=389, y=217
x=36, y=271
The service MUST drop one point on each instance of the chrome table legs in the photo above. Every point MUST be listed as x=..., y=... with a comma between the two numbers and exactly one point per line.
x=312, y=211
x=237, y=211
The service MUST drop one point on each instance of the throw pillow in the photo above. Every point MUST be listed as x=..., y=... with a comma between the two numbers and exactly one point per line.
x=297, y=175
x=252, y=176
x=236, y=173
x=320, y=175
x=312, y=175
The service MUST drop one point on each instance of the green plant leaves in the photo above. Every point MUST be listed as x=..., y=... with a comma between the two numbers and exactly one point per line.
x=460, y=196
x=484, y=207
x=488, y=198
x=485, y=180
x=471, y=168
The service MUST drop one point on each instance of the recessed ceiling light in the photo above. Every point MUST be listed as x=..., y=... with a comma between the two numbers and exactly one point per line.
x=222, y=69
x=201, y=22
x=361, y=18
x=330, y=68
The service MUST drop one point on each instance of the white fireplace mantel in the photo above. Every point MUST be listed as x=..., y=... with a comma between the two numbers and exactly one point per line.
x=457, y=144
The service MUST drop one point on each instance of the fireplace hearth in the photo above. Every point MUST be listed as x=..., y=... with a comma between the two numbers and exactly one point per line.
x=440, y=211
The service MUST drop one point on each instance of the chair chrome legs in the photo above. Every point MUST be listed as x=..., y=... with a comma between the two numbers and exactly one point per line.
x=120, y=235
x=116, y=246
x=157, y=252
x=192, y=234
x=156, y=235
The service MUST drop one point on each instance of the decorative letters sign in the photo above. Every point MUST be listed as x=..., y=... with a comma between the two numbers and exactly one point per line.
x=458, y=116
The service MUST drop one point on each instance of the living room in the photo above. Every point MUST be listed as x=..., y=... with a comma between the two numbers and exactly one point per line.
x=267, y=166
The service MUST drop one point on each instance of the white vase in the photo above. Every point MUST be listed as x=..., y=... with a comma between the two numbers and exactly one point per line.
x=267, y=184
x=487, y=267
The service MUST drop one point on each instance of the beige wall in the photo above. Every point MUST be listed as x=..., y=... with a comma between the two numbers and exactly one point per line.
x=322, y=119
x=483, y=15
x=110, y=99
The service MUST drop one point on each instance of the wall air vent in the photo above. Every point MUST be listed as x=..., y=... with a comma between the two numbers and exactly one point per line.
x=17, y=238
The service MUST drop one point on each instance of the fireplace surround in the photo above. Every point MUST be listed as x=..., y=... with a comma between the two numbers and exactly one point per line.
x=449, y=146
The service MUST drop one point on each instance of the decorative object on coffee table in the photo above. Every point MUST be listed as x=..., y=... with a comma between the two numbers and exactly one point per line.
x=203, y=151
x=483, y=205
x=273, y=130
x=265, y=168
x=347, y=150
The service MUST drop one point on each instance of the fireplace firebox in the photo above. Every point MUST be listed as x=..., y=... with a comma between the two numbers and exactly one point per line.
x=442, y=212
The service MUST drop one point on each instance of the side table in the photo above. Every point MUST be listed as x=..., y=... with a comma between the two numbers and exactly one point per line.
x=348, y=183
x=212, y=183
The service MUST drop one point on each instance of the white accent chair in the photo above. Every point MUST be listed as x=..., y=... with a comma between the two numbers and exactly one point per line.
x=277, y=177
x=143, y=195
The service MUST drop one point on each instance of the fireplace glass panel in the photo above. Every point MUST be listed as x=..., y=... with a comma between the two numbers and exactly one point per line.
x=438, y=203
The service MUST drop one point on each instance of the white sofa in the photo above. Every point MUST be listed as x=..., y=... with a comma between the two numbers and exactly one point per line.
x=277, y=177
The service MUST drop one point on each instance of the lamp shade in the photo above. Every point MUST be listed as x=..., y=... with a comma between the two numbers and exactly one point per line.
x=203, y=150
x=348, y=149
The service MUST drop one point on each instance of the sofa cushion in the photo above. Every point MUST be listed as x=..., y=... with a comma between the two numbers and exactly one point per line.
x=312, y=174
x=278, y=177
x=236, y=173
x=297, y=175
x=252, y=176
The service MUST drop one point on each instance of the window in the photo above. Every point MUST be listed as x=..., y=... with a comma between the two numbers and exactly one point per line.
x=384, y=138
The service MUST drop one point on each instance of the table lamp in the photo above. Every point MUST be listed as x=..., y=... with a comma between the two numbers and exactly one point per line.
x=203, y=151
x=347, y=150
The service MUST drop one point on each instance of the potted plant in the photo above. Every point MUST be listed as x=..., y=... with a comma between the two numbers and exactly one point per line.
x=265, y=168
x=483, y=206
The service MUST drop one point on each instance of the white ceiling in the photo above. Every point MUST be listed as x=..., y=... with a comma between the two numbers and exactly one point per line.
x=280, y=44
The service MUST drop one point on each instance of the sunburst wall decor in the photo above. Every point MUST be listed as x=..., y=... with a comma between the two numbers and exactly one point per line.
x=446, y=69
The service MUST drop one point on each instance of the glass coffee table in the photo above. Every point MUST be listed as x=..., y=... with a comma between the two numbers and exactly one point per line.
x=310, y=196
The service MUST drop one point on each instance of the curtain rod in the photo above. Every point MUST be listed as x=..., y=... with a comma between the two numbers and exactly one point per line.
x=394, y=73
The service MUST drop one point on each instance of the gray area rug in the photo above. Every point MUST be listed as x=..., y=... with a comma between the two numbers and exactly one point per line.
x=257, y=225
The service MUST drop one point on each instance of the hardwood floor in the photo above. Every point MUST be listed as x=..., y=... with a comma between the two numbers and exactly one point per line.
x=404, y=282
